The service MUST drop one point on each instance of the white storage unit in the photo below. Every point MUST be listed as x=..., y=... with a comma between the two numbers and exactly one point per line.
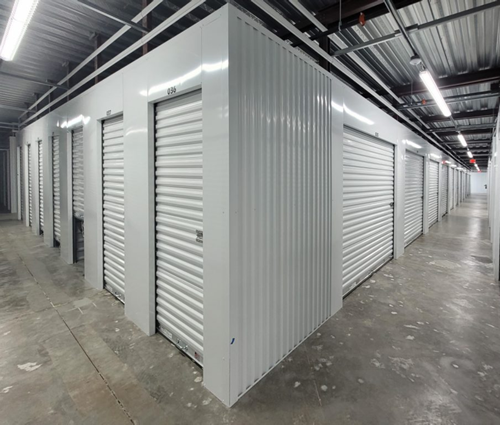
x=56, y=189
x=78, y=192
x=40, y=184
x=433, y=192
x=457, y=183
x=179, y=222
x=30, y=188
x=21, y=179
x=113, y=206
x=414, y=197
x=368, y=208
x=444, y=189
x=452, y=188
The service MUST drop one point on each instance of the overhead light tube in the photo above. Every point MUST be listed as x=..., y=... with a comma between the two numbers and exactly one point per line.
x=462, y=140
x=20, y=17
x=431, y=85
x=469, y=153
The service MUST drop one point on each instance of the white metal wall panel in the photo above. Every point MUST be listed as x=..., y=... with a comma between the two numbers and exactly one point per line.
x=30, y=188
x=78, y=174
x=368, y=207
x=56, y=188
x=113, y=195
x=444, y=189
x=414, y=197
x=283, y=239
x=40, y=183
x=179, y=222
x=433, y=192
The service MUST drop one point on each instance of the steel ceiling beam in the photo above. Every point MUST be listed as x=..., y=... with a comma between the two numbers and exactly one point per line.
x=32, y=80
x=104, y=12
x=104, y=46
x=485, y=113
x=455, y=81
x=463, y=128
x=414, y=28
x=193, y=4
x=454, y=99
x=447, y=132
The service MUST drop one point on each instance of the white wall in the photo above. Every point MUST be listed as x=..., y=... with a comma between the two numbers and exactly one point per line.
x=478, y=183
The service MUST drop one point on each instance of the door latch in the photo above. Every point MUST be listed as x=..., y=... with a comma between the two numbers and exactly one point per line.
x=391, y=204
x=199, y=236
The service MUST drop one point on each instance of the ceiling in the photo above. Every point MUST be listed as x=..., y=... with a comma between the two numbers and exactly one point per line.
x=462, y=54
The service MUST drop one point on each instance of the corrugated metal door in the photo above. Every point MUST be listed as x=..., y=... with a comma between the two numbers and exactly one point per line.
x=456, y=187
x=452, y=187
x=30, y=188
x=368, y=212
x=179, y=222
x=433, y=192
x=113, y=196
x=21, y=179
x=78, y=192
x=444, y=190
x=78, y=176
x=40, y=183
x=56, y=188
x=414, y=197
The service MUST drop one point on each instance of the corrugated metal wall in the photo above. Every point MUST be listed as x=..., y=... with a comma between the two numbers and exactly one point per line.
x=284, y=203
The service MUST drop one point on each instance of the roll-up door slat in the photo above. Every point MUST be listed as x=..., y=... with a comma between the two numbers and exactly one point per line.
x=179, y=222
x=78, y=174
x=21, y=179
x=113, y=172
x=56, y=188
x=40, y=184
x=414, y=197
x=433, y=192
x=368, y=207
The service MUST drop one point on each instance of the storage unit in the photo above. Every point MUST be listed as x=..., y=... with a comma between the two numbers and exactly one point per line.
x=444, y=189
x=113, y=207
x=457, y=183
x=414, y=197
x=433, y=192
x=56, y=189
x=368, y=207
x=452, y=188
x=40, y=184
x=30, y=188
x=78, y=193
x=21, y=179
x=179, y=222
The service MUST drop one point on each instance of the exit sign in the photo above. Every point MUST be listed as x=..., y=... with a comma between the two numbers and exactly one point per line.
x=472, y=161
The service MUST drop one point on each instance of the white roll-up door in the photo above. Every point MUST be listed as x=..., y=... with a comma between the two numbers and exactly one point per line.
x=113, y=197
x=457, y=182
x=30, y=188
x=40, y=183
x=21, y=179
x=78, y=176
x=452, y=188
x=414, y=197
x=179, y=222
x=444, y=189
x=56, y=189
x=368, y=212
x=433, y=192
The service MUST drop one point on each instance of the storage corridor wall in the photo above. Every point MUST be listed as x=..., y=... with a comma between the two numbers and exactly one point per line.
x=40, y=184
x=56, y=189
x=30, y=188
x=433, y=192
x=414, y=197
x=113, y=195
x=78, y=192
x=368, y=207
x=444, y=189
x=179, y=222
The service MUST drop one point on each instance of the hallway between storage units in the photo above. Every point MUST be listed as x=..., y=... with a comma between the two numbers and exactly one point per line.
x=418, y=343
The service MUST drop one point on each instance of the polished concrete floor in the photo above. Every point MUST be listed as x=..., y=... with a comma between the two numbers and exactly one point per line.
x=418, y=343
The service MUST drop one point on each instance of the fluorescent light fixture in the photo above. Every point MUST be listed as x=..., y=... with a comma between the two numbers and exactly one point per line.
x=448, y=162
x=462, y=140
x=413, y=144
x=453, y=166
x=20, y=17
x=469, y=153
x=429, y=82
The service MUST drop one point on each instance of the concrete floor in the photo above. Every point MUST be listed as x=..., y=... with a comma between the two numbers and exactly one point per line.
x=418, y=343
